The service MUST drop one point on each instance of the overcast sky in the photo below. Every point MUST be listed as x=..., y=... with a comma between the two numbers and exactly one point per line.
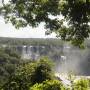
x=7, y=30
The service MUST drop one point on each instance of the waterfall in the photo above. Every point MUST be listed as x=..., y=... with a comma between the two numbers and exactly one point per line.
x=74, y=60
x=69, y=59
x=31, y=52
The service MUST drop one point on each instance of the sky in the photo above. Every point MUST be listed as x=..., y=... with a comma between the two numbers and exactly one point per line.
x=7, y=30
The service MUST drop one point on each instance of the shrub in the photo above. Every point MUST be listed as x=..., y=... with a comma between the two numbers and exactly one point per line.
x=49, y=85
x=82, y=84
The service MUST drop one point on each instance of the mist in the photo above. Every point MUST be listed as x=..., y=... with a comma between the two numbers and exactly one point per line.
x=74, y=60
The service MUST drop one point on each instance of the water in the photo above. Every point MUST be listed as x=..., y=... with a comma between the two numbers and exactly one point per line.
x=74, y=60
x=67, y=59
x=30, y=52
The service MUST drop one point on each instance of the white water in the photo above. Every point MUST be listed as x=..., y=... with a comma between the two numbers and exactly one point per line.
x=74, y=60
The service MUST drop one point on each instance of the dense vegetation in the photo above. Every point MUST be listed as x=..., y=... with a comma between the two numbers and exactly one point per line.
x=28, y=74
x=9, y=60
x=49, y=85
x=30, y=41
x=16, y=74
x=39, y=75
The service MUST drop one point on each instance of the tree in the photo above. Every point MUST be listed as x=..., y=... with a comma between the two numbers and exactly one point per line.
x=8, y=64
x=30, y=74
x=32, y=12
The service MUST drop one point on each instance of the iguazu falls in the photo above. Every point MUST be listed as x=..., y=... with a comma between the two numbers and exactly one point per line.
x=69, y=62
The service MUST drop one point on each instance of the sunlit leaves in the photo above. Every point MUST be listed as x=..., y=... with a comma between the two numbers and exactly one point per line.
x=49, y=85
x=82, y=84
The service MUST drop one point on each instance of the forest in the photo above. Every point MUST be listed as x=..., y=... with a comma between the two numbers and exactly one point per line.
x=30, y=41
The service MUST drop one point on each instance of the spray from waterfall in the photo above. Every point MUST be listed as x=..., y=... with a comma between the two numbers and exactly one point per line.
x=73, y=60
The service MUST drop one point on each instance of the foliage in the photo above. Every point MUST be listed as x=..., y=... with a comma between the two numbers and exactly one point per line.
x=82, y=84
x=30, y=41
x=8, y=64
x=30, y=74
x=79, y=28
x=49, y=85
x=37, y=75
x=32, y=12
x=42, y=72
